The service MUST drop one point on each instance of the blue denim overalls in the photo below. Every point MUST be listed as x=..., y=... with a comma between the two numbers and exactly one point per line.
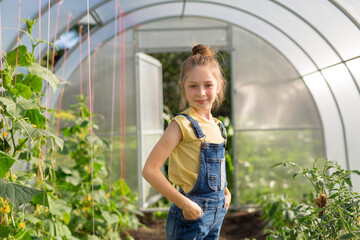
x=208, y=192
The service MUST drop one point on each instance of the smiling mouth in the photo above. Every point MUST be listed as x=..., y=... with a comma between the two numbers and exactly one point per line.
x=200, y=101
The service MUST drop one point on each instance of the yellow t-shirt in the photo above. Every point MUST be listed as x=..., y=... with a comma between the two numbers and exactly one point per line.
x=184, y=162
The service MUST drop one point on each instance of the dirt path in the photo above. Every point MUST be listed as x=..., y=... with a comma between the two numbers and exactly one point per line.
x=236, y=226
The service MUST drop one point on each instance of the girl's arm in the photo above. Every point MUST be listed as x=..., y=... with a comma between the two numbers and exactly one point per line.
x=152, y=173
x=227, y=198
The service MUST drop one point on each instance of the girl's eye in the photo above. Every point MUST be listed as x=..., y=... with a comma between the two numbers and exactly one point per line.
x=192, y=86
x=209, y=85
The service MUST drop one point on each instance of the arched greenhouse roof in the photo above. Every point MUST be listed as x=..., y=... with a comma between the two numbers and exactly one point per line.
x=319, y=40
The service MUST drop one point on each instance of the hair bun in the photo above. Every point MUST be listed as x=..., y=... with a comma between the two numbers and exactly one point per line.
x=202, y=50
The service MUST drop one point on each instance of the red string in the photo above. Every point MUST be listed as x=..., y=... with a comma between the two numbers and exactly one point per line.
x=80, y=59
x=55, y=36
x=39, y=60
x=63, y=75
x=39, y=33
x=88, y=78
x=93, y=79
x=113, y=101
x=124, y=93
x=120, y=98
x=18, y=38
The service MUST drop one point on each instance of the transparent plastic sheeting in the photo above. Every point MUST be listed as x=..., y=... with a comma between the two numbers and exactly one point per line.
x=348, y=99
x=30, y=9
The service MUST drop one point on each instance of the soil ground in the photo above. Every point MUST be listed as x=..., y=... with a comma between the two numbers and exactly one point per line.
x=237, y=226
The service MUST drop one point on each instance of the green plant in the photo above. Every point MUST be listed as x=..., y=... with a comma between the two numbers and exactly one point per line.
x=80, y=180
x=334, y=212
x=23, y=124
x=257, y=151
x=229, y=153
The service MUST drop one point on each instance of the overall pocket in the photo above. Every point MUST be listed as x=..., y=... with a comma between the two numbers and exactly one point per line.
x=171, y=221
x=216, y=174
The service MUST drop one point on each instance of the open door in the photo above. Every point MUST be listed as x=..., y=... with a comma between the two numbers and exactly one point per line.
x=150, y=123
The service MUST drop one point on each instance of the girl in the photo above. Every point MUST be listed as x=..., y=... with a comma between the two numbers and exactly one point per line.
x=195, y=142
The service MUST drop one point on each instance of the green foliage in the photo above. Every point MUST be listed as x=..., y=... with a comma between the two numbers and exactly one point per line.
x=23, y=125
x=113, y=207
x=229, y=153
x=336, y=218
x=259, y=150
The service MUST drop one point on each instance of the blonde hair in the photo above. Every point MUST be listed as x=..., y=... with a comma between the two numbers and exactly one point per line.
x=203, y=56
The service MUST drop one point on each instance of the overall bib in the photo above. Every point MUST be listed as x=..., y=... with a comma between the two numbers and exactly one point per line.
x=208, y=193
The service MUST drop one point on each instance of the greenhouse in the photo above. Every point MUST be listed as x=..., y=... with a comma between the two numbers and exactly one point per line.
x=89, y=88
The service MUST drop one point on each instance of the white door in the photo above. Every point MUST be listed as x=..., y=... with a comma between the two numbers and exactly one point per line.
x=150, y=123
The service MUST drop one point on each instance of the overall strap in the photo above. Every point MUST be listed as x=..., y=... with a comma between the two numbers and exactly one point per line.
x=195, y=126
x=197, y=130
x=222, y=130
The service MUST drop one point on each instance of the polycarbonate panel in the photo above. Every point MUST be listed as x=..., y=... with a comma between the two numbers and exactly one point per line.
x=185, y=22
x=182, y=38
x=333, y=130
x=331, y=22
x=102, y=72
x=77, y=10
x=267, y=91
x=276, y=38
x=10, y=17
x=130, y=166
x=348, y=99
x=312, y=43
x=354, y=66
x=352, y=7
x=148, y=194
x=260, y=150
x=150, y=94
x=150, y=124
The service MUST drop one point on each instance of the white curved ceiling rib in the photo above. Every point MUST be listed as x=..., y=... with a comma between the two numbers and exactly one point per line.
x=257, y=16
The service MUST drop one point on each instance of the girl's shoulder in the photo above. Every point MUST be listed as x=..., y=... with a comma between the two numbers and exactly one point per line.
x=181, y=119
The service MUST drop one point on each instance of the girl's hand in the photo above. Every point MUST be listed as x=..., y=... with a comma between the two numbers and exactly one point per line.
x=227, y=198
x=192, y=211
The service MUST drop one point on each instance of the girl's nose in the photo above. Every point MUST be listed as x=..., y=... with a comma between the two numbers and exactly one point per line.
x=202, y=91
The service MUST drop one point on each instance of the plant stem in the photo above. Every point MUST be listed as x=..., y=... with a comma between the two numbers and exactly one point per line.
x=345, y=222
x=13, y=140
x=12, y=216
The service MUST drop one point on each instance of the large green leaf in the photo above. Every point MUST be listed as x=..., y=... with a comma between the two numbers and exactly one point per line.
x=62, y=230
x=18, y=108
x=110, y=219
x=58, y=207
x=24, y=58
x=74, y=179
x=31, y=218
x=22, y=90
x=23, y=235
x=17, y=194
x=36, y=118
x=4, y=144
x=33, y=81
x=44, y=73
x=4, y=231
x=6, y=77
x=5, y=163
x=31, y=132
x=41, y=199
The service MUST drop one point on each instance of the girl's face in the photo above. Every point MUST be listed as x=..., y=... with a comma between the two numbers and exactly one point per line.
x=201, y=88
